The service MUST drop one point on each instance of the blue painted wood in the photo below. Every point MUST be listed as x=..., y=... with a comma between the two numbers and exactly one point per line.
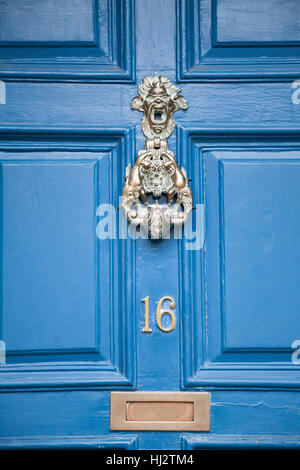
x=218, y=40
x=240, y=442
x=114, y=442
x=239, y=141
x=62, y=339
x=77, y=40
x=266, y=23
x=52, y=25
x=260, y=354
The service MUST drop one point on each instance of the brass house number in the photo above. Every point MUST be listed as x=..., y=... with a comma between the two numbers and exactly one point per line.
x=159, y=314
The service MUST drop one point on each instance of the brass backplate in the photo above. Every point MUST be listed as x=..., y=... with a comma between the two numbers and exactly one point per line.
x=159, y=411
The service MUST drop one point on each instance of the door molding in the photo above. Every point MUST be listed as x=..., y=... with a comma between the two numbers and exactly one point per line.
x=203, y=355
x=115, y=334
x=108, y=56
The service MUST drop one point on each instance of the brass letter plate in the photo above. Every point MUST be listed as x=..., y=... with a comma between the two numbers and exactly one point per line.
x=159, y=411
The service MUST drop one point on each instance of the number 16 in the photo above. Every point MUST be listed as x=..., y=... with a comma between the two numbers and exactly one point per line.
x=159, y=314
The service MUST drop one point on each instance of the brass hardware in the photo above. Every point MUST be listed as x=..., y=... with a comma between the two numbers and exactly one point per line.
x=156, y=171
x=158, y=99
x=146, y=328
x=159, y=411
x=159, y=314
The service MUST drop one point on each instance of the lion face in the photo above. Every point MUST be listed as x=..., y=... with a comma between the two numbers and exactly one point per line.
x=158, y=99
x=158, y=108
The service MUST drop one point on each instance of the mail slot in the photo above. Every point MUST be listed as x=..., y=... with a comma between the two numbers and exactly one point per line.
x=161, y=411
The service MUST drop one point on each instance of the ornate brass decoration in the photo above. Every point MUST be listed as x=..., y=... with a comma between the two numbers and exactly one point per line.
x=158, y=99
x=156, y=171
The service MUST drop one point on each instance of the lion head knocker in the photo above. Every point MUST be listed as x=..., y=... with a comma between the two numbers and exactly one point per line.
x=156, y=171
x=158, y=99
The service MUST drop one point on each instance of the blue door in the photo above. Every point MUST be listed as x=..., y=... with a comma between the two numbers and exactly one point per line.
x=82, y=305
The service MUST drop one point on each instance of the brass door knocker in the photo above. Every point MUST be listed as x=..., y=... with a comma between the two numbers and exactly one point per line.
x=156, y=171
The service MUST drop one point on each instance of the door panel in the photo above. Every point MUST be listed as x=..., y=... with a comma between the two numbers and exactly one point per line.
x=61, y=321
x=219, y=40
x=81, y=40
x=244, y=281
x=72, y=315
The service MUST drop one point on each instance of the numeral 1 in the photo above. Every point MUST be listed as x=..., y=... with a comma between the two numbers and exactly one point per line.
x=146, y=328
